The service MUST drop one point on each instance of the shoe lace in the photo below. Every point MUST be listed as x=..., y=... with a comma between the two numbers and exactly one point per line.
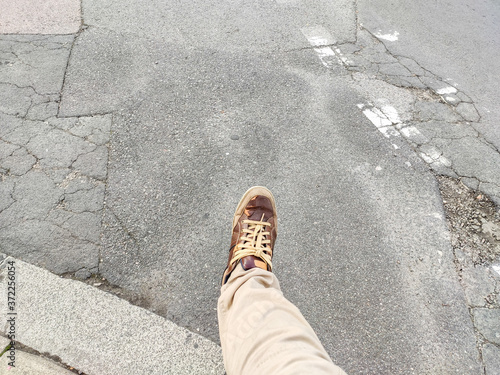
x=254, y=241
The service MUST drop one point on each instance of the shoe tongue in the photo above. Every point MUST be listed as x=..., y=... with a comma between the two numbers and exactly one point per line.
x=253, y=262
x=257, y=206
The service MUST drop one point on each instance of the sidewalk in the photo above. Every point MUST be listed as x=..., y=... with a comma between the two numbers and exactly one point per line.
x=94, y=331
x=31, y=364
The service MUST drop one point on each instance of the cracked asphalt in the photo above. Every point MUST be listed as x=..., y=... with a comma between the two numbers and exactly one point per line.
x=127, y=140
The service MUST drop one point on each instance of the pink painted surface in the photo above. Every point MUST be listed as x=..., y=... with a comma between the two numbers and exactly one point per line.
x=39, y=16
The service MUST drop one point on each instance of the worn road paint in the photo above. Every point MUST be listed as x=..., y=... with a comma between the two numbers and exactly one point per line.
x=446, y=90
x=413, y=134
x=342, y=57
x=388, y=122
x=444, y=161
x=426, y=158
x=434, y=153
x=318, y=36
x=324, y=53
x=374, y=115
x=380, y=120
x=432, y=159
x=390, y=37
x=391, y=113
x=389, y=132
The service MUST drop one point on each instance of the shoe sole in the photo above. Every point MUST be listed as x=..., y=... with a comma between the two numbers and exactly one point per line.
x=250, y=193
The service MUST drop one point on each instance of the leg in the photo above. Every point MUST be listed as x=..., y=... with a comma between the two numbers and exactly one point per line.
x=262, y=332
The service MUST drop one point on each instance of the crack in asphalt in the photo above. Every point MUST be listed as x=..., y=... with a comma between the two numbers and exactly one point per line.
x=36, y=110
x=467, y=122
x=371, y=54
x=124, y=227
x=105, y=206
x=67, y=65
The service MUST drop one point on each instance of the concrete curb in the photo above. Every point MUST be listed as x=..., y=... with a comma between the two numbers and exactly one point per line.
x=29, y=364
x=96, y=332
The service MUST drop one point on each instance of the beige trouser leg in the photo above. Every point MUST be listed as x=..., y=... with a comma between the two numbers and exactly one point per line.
x=263, y=333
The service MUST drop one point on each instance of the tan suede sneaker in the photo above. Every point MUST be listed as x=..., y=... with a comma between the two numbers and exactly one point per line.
x=255, y=227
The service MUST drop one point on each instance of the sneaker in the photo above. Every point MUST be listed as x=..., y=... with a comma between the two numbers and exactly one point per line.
x=255, y=227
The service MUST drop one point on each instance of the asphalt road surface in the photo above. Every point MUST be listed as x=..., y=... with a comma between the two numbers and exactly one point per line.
x=345, y=110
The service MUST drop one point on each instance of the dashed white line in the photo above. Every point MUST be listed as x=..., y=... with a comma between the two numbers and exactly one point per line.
x=388, y=122
x=384, y=120
x=391, y=113
x=323, y=54
x=444, y=161
x=426, y=158
x=342, y=57
x=413, y=133
x=320, y=38
x=380, y=120
x=391, y=37
x=377, y=117
x=433, y=153
x=446, y=90
x=389, y=132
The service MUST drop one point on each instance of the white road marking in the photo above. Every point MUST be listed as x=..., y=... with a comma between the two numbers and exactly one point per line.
x=391, y=113
x=320, y=38
x=376, y=119
x=388, y=122
x=380, y=120
x=451, y=81
x=446, y=90
x=342, y=57
x=323, y=53
x=410, y=132
x=390, y=37
x=445, y=161
x=450, y=99
x=413, y=134
x=426, y=158
x=389, y=131
x=433, y=153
